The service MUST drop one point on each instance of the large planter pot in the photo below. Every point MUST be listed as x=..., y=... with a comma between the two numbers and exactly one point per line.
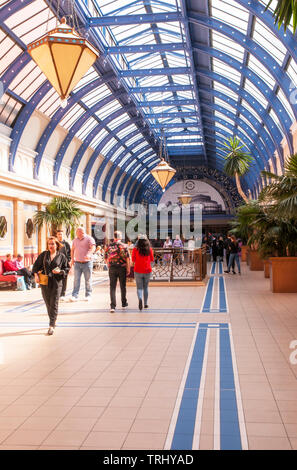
x=266, y=268
x=244, y=252
x=283, y=274
x=256, y=262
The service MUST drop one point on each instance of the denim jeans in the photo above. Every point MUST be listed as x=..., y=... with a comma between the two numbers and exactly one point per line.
x=142, y=282
x=234, y=257
x=86, y=270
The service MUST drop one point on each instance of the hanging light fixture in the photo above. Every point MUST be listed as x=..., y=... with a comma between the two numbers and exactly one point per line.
x=64, y=57
x=163, y=172
x=185, y=198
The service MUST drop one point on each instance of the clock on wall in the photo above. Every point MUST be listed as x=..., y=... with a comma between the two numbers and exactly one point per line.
x=190, y=185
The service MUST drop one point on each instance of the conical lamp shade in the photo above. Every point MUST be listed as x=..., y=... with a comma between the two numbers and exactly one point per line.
x=64, y=57
x=163, y=173
x=185, y=198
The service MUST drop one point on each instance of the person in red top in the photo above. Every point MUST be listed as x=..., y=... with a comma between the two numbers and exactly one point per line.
x=15, y=266
x=142, y=256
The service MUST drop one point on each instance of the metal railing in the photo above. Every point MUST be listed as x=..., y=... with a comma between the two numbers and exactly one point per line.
x=179, y=264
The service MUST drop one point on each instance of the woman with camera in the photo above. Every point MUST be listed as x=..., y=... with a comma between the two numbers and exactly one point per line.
x=49, y=269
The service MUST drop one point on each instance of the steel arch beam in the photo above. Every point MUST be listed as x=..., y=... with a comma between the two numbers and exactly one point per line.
x=253, y=132
x=112, y=134
x=11, y=8
x=246, y=96
x=286, y=37
x=119, y=159
x=114, y=149
x=122, y=20
x=251, y=46
x=223, y=134
x=220, y=136
x=87, y=140
x=257, y=81
x=151, y=158
x=247, y=114
x=59, y=115
x=14, y=69
x=118, y=177
x=23, y=119
x=150, y=155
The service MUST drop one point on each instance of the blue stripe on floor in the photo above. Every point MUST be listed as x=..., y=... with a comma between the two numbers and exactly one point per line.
x=207, y=301
x=220, y=267
x=185, y=425
x=229, y=422
x=230, y=438
x=36, y=303
x=222, y=295
x=213, y=268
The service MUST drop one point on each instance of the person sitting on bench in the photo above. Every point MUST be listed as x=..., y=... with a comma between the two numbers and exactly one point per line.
x=15, y=266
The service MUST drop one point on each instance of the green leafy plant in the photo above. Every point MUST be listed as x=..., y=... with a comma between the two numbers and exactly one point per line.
x=58, y=212
x=237, y=163
x=245, y=216
x=281, y=193
x=285, y=12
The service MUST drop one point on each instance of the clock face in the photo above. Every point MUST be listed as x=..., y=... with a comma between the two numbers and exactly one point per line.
x=190, y=185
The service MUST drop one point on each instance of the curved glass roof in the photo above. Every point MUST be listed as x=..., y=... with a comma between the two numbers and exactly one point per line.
x=195, y=71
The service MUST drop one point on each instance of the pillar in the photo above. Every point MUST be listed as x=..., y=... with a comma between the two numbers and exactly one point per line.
x=18, y=227
x=42, y=234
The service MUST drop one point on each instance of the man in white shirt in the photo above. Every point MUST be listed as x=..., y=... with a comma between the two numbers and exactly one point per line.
x=83, y=247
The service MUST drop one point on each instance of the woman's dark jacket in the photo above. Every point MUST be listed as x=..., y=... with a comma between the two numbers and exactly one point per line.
x=59, y=261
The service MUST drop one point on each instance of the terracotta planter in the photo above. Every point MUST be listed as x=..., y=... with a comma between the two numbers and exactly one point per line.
x=283, y=274
x=244, y=249
x=256, y=263
x=266, y=268
x=248, y=256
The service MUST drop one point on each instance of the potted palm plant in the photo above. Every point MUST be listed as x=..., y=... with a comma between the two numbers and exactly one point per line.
x=243, y=227
x=280, y=196
x=58, y=212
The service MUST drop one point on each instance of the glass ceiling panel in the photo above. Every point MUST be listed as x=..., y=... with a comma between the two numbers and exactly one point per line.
x=251, y=110
x=99, y=137
x=73, y=114
x=255, y=92
x=266, y=39
x=108, y=146
x=225, y=71
x=231, y=13
x=224, y=44
x=256, y=66
x=281, y=96
x=86, y=128
x=116, y=122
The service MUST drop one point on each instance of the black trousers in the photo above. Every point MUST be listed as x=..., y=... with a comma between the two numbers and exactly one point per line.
x=28, y=276
x=64, y=286
x=115, y=273
x=51, y=295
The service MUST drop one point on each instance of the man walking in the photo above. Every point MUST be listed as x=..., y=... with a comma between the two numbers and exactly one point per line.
x=83, y=247
x=67, y=252
x=118, y=261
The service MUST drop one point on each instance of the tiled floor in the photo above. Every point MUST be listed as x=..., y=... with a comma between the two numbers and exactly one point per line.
x=152, y=380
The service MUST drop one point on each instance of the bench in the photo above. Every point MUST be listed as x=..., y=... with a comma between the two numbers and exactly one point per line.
x=7, y=281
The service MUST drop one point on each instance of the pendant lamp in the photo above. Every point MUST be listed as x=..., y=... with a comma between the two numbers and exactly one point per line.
x=163, y=172
x=64, y=57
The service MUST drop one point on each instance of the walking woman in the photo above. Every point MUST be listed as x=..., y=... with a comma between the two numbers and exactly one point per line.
x=142, y=256
x=50, y=268
x=234, y=255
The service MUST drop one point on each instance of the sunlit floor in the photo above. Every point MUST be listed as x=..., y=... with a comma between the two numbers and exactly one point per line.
x=203, y=368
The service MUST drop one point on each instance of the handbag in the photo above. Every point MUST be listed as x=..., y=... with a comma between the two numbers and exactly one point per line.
x=43, y=278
